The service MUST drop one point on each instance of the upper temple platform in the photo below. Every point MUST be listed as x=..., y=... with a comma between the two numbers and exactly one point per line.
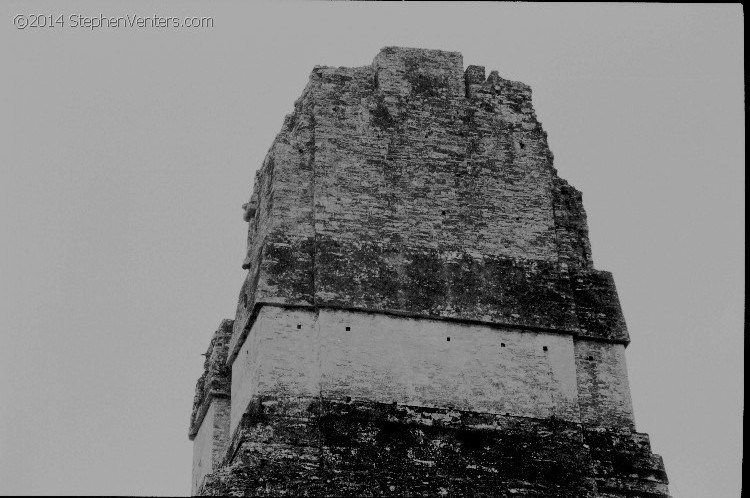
x=414, y=187
x=421, y=315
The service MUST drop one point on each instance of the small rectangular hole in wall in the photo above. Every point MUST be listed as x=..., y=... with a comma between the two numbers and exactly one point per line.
x=299, y=326
x=502, y=344
x=591, y=358
x=448, y=339
x=544, y=348
x=348, y=329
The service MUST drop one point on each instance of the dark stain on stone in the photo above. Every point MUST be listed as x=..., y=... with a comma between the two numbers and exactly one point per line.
x=381, y=118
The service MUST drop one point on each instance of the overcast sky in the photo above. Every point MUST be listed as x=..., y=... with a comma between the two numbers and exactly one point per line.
x=127, y=153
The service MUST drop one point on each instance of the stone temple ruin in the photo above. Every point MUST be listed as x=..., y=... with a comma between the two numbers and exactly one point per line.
x=421, y=314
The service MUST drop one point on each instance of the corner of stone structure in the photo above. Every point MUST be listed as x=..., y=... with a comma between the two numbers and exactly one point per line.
x=216, y=379
x=209, y=421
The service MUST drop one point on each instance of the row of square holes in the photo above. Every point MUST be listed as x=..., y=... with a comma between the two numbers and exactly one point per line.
x=299, y=326
x=502, y=344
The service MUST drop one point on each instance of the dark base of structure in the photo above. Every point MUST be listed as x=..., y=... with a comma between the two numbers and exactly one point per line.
x=314, y=447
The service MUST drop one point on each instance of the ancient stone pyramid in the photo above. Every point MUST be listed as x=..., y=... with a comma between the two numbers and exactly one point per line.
x=421, y=314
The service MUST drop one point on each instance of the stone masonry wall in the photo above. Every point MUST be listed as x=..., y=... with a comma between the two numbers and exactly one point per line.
x=337, y=354
x=414, y=186
x=216, y=379
x=603, y=388
x=209, y=420
x=211, y=441
x=421, y=315
x=305, y=446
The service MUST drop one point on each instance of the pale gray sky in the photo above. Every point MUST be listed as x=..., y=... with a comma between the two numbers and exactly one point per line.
x=127, y=153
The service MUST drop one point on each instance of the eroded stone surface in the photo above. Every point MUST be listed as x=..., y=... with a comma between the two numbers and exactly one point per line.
x=421, y=315
x=413, y=186
x=303, y=446
x=216, y=379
